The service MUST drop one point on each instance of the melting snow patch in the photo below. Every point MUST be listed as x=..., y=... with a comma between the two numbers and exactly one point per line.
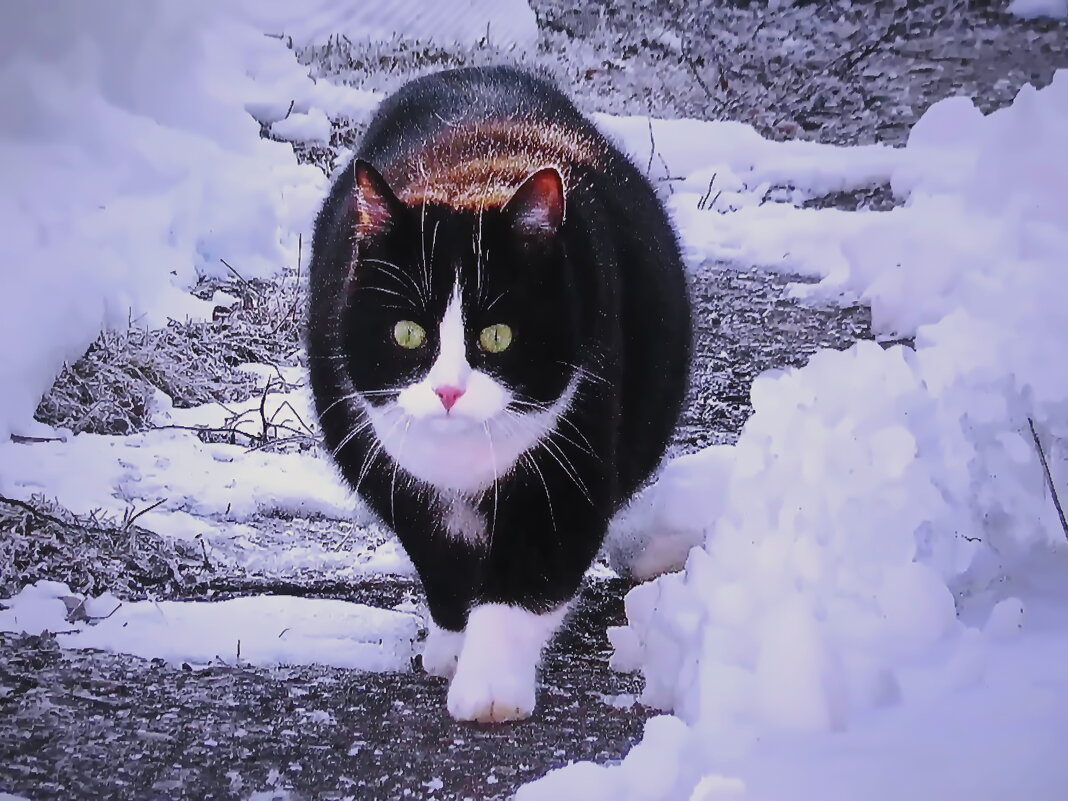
x=1033, y=9
x=259, y=630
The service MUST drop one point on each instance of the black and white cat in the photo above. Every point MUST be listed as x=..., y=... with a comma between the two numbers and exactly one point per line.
x=499, y=342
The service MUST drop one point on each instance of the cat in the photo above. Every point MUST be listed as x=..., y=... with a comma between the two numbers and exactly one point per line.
x=499, y=339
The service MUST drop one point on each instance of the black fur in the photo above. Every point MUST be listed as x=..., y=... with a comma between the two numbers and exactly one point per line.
x=607, y=294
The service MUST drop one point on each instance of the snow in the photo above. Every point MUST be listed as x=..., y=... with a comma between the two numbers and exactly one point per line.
x=264, y=630
x=1033, y=9
x=213, y=491
x=311, y=126
x=130, y=168
x=879, y=568
x=676, y=511
x=742, y=160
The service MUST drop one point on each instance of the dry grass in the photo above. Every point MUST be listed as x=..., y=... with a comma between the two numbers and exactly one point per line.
x=40, y=540
x=111, y=389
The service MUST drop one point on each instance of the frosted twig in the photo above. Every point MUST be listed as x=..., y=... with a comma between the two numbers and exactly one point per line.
x=129, y=520
x=1049, y=477
x=237, y=275
x=652, y=145
x=702, y=204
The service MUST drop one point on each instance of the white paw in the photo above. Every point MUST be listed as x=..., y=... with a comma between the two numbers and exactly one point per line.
x=441, y=651
x=492, y=692
x=496, y=675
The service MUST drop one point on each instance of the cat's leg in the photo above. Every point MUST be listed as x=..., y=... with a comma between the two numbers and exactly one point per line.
x=448, y=574
x=530, y=575
x=496, y=676
x=441, y=651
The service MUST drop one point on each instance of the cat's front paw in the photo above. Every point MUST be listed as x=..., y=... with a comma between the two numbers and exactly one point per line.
x=492, y=693
x=496, y=675
x=441, y=651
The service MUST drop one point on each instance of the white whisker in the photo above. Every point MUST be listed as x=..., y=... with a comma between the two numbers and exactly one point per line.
x=478, y=259
x=422, y=241
x=493, y=460
x=528, y=458
x=433, y=247
x=385, y=291
x=567, y=466
x=342, y=399
x=372, y=455
x=393, y=480
x=394, y=271
x=378, y=392
x=555, y=450
x=563, y=419
x=585, y=372
x=350, y=436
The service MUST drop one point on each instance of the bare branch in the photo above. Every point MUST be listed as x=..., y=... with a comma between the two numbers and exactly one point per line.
x=1049, y=477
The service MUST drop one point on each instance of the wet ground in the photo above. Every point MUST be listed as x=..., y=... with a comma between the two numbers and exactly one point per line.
x=90, y=725
x=99, y=726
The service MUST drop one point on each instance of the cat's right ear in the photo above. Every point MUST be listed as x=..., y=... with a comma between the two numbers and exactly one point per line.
x=375, y=204
x=536, y=209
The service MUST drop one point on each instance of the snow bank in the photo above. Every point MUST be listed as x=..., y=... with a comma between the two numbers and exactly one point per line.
x=693, y=151
x=1033, y=9
x=665, y=520
x=224, y=482
x=130, y=168
x=879, y=502
x=262, y=630
x=721, y=173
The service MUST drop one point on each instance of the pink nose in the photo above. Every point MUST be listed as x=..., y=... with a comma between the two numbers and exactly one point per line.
x=449, y=396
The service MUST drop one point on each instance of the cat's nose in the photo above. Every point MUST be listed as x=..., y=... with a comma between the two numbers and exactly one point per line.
x=449, y=396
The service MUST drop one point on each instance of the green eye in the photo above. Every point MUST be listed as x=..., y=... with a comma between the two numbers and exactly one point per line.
x=408, y=334
x=495, y=338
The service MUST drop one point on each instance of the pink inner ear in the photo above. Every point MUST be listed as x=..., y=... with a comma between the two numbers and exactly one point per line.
x=372, y=200
x=538, y=205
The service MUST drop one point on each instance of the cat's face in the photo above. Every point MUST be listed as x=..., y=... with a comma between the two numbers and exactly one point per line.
x=459, y=335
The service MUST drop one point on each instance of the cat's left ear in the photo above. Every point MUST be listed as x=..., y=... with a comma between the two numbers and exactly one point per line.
x=376, y=205
x=536, y=210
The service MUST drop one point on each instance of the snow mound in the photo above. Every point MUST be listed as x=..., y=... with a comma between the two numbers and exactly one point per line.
x=878, y=500
x=657, y=529
x=263, y=630
x=1034, y=9
x=130, y=168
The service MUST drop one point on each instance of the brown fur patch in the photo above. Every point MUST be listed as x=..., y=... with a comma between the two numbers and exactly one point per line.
x=480, y=166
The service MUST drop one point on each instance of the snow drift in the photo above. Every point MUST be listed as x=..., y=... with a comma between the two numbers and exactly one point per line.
x=262, y=630
x=130, y=168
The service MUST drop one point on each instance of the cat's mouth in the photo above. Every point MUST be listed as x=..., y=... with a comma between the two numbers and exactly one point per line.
x=451, y=423
x=420, y=422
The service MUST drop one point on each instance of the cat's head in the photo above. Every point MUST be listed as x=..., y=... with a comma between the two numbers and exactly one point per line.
x=460, y=324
